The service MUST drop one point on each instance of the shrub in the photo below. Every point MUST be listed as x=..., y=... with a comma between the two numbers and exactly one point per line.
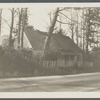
x=17, y=61
x=22, y=63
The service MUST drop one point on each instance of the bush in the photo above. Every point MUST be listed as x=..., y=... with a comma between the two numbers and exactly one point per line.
x=22, y=63
x=16, y=62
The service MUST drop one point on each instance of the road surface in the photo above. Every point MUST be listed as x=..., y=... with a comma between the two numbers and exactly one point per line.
x=89, y=82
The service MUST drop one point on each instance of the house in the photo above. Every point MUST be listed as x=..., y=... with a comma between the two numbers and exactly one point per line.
x=65, y=52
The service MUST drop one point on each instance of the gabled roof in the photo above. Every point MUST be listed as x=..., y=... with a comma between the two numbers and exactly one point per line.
x=58, y=42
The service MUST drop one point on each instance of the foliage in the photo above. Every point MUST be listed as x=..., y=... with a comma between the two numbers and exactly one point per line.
x=21, y=63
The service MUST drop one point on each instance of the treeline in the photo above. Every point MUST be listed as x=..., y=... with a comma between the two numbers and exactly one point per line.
x=22, y=63
x=18, y=23
x=82, y=25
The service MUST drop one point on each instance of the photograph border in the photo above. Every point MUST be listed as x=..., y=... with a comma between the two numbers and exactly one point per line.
x=49, y=1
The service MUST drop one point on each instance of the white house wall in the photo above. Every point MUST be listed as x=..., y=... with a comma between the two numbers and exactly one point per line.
x=26, y=43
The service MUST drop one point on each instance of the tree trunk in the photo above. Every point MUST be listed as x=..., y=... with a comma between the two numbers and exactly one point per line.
x=23, y=27
x=48, y=39
x=97, y=41
x=87, y=34
x=11, y=28
x=60, y=24
x=0, y=20
x=72, y=27
x=77, y=29
x=83, y=28
x=81, y=34
x=19, y=27
x=83, y=40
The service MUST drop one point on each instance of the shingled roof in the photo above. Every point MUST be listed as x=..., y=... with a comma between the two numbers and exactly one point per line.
x=58, y=43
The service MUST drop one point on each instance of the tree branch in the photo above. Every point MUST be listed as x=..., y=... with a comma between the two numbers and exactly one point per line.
x=65, y=8
x=68, y=17
x=6, y=22
x=62, y=22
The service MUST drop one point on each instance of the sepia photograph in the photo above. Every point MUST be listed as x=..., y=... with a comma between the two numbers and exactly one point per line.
x=49, y=47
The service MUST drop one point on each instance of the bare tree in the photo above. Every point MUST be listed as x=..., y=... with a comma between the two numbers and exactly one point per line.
x=69, y=20
x=23, y=25
x=50, y=17
x=11, y=28
x=83, y=31
x=72, y=25
x=77, y=25
x=88, y=33
x=19, y=26
x=0, y=19
x=51, y=29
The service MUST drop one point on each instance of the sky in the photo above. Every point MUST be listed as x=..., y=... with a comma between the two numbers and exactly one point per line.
x=38, y=16
x=38, y=13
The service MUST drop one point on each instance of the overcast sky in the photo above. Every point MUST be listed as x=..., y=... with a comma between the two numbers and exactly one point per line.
x=38, y=17
x=38, y=12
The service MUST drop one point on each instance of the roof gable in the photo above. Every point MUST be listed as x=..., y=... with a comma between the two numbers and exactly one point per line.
x=58, y=42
